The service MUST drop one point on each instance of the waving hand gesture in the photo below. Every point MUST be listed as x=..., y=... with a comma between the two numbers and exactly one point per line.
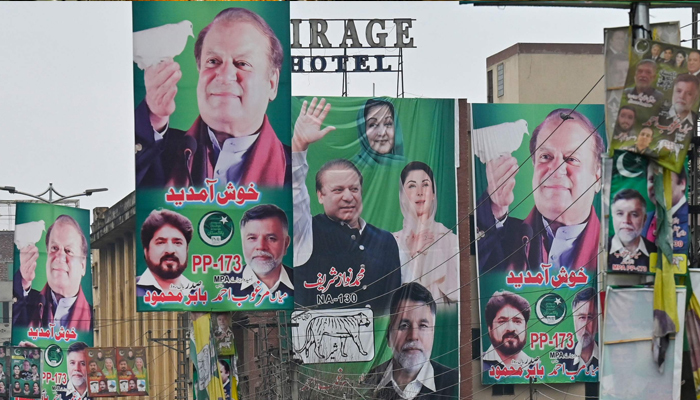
x=307, y=129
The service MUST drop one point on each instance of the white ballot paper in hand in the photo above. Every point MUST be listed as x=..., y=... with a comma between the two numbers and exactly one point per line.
x=494, y=141
x=28, y=233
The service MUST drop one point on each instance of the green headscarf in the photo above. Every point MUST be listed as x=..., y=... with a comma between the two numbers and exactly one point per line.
x=369, y=156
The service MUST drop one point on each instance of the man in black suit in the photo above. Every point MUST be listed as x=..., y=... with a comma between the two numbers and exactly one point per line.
x=264, y=232
x=678, y=122
x=410, y=373
x=628, y=250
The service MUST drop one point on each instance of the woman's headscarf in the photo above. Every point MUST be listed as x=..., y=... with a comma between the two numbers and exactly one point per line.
x=367, y=155
x=411, y=222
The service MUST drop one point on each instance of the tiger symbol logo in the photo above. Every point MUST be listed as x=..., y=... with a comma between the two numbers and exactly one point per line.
x=343, y=328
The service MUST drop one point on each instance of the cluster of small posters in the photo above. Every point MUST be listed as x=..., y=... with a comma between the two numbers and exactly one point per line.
x=120, y=371
x=659, y=107
x=537, y=177
x=633, y=221
x=24, y=371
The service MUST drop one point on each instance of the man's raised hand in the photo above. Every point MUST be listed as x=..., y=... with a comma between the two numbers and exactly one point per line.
x=161, y=87
x=27, y=264
x=500, y=174
x=307, y=129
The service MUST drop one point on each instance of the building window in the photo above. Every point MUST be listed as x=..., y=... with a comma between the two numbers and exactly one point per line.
x=5, y=312
x=500, y=79
x=489, y=84
x=502, y=390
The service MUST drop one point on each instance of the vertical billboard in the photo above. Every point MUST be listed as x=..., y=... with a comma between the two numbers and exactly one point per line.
x=375, y=246
x=132, y=371
x=52, y=293
x=537, y=177
x=213, y=164
x=632, y=230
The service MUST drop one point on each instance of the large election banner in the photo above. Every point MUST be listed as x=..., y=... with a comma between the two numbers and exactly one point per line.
x=213, y=163
x=52, y=266
x=537, y=177
x=633, y=223
x=375, y=245
x=659, y=108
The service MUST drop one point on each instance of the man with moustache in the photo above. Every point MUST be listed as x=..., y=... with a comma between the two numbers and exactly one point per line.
x=239, y=59
x=629, y=251
x=61, y=301
x=165, y=236
x=563, y=228
x=77, y=387
x=410, y=373
x=586, y=353
x=679, y=120
x=265, y=237
x=643, y=94
x=336, y=253
x=625, y=122
x=506, y=316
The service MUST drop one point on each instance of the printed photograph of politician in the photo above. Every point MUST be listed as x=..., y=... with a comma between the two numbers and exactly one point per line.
x=206, y=165
x=374, y=208
x=632, y=236
x=664, y=96
x=52, y=279
x=239, y=73
x=132, y=371
x=537, y=181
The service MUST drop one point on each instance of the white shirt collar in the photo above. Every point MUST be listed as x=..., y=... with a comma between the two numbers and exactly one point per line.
x=72, y=389
x=62, y=307
x=361, y=222
x=232, y=144
x=249, y=278
x=688, y=118
x=523, y=360
x=579, y=348
x=565, y=232
x=616, y=245
x=425, y=377
x=147, y=279
x=678, y=206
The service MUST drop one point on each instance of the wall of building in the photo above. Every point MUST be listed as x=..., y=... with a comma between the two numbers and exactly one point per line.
x=511, y=87
x=560, y=78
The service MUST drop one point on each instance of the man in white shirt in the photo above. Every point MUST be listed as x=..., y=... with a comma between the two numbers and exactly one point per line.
x=628, y=250
x=77, y=386
x=61, y=301
x=239, y=59
x=265, y=237
x=563, y=228
x=165, y=236
x=410, y=373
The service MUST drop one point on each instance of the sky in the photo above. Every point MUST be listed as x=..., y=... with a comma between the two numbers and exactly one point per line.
x=66, y=77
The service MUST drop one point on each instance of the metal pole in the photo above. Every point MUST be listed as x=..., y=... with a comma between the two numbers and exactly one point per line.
x=641, y=20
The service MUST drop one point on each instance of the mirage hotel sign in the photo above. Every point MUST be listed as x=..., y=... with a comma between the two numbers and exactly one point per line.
x=344, y=38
